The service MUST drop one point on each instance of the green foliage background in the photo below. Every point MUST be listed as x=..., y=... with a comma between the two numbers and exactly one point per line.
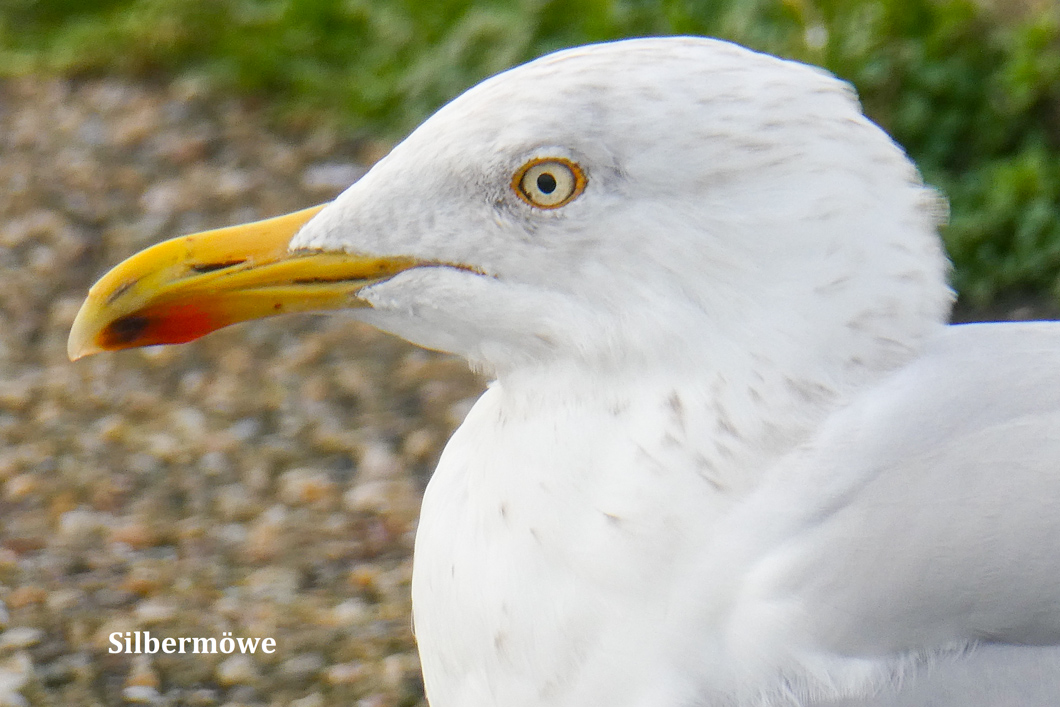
x=971, y=88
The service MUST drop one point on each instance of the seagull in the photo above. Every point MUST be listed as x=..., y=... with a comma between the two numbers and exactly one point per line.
x=732, y=453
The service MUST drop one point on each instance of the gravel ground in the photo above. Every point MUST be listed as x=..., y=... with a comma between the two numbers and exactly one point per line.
x=264, y=481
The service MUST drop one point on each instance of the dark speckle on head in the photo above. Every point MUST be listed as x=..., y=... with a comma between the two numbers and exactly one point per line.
x=677, y=407
x=126, y=330
x=675, y=402
x=724, y=422
x=708, y=472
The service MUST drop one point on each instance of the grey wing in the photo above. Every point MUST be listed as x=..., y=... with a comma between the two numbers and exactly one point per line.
x=993, y=675
x=936, y=520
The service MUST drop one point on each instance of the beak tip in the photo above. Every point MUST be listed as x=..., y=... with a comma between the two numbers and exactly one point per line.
x=79, y=351
x=75, y=352
x=81, y=342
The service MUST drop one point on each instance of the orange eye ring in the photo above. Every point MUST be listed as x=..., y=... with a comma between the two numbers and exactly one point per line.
x=549, y=182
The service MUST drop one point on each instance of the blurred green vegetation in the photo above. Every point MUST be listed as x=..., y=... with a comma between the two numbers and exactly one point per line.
x=971, y=88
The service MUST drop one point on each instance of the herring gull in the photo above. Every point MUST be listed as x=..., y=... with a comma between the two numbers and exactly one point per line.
x=732, y=455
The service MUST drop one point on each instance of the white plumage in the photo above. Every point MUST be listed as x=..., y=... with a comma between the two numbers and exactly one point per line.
x=733, y=454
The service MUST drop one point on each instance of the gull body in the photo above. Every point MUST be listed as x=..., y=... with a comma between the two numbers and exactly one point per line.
x=732, y=453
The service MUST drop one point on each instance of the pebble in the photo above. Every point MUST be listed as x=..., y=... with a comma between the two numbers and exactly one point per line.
x=266, y=539
x=80, y=523
x=380, y=496
x=62, y=599
x=15, y=672
x=155, y=612
x=20, y=637
x=313, y=699
x=237, y=670
x=134, y=533
x=378, y=462
x=202, y=697
x=302, y=666
x=306, y=486
x=277, y=583
x=345, y=673
x=234, y=503
x=21, y=486
x=141, y=694
x=142, y=674
x=16, y=395
x=394, y=669
x=348, y=613
x=25, y=595
x=12, y=699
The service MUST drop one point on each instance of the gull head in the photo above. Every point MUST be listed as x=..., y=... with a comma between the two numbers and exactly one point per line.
x=672, y=202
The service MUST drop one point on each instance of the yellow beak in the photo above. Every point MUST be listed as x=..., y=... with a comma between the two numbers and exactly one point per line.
x=186, y=287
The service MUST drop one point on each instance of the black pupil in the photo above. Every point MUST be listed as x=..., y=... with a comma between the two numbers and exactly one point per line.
x=546, y=183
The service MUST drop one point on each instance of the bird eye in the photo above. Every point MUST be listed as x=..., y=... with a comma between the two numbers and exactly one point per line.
x=549, y=182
